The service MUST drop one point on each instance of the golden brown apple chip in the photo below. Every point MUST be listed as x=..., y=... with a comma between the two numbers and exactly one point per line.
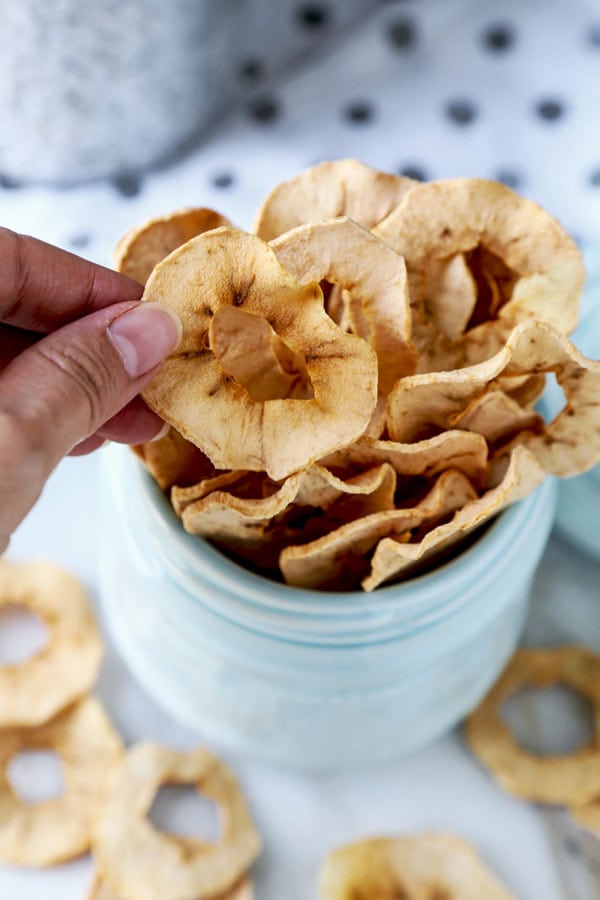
x=512, y=244
x=141, y=248
x=43, y=834
x=66, y=667
x=343, y=253
x=568, y=445
x=192, y=391
x=344, y=187
x=571, y=779
x=420, y=867
x=139, y=862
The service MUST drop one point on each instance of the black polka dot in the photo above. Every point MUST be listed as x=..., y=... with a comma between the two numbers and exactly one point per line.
x=510, y=177
x=461, y=112
x=252, y=70
x=313, y=15
x=128, y=184
x=264, y=109
x=593, y=35
x=498, y=37
x=359, y=112
x=79, y=241
x=594, y=178
x=416, y=172
x=223, y=180
x=402, y=34
x=10, y=184
x=549, y=109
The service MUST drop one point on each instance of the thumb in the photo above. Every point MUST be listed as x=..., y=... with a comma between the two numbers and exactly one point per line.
x=63, y=388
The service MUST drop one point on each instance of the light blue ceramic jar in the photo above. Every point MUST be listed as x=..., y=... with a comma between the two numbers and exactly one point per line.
x=578, y=508
x=304, y=678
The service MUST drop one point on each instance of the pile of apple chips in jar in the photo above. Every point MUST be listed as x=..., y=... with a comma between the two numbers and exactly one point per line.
x=355, y=389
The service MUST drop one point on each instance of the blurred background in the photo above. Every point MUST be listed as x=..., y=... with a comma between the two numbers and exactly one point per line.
x=112, y=112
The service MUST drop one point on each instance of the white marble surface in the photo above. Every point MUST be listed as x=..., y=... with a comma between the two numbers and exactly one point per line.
x=302, y=817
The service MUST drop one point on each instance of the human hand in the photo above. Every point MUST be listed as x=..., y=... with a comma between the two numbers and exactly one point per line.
x=76, y=347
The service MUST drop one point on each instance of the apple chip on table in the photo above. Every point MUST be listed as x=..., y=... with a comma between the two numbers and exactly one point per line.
x=375, y=341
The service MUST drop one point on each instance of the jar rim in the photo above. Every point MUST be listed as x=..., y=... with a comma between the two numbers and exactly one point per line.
x=419, y=600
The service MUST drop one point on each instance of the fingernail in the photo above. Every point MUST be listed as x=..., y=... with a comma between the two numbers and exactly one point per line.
x=144, y=336
x=160, y=434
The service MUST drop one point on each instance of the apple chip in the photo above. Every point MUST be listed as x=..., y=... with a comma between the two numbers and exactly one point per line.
x=141, y=248
x=424, y=867
x=344, y=187
x=192, y=391
x=393, y=558
x=511, y=243
x=460, y=450
x=343, y=253
x=182, y=497
x=224, y=517
x=66, y=667
x=451, y=294
x=497, y=417
x=571, y=779
x=139, y=862
x=341, y=556
x=242, y=891
x=568, y=445
x=173, y=460
x=43, y=834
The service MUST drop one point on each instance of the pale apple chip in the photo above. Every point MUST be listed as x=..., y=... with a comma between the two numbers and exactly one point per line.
x=568, y=445
x=142, y=247
x=393, y=558
x=465, y=451
x=192, y=391
x=224, y=517
x=182, y=497
x=173, y=460
x=343, y=253
x=331, y=560
x=424, y=867
x=497, y=417
x=65, y=668
x=571, y=779
x=451, y=294
x=242, y=891
x=344, y=187
x=53, y=831
x=139, y=862
x=511, y=243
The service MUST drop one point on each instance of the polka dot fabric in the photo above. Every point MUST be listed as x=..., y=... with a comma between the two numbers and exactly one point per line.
x=425, y=88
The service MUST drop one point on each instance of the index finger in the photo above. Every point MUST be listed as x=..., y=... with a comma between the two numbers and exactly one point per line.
x=43, y=288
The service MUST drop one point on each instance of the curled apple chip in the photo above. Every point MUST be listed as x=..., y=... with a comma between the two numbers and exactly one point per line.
x=344, y=187
x=139, y=862
x=225, y=517
x=193, y=392
x=462, y=450
x=525, y=265
x=572, y=778
x=497, y=417
x=423, y=866
x=451, y=293
x=345, y=254
x=173, y=460
x=142, y=247
x=242, y=891
x=568, y=445
x=393, y=558
x=65, y=668
x=53, y=831
x=342, y=555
